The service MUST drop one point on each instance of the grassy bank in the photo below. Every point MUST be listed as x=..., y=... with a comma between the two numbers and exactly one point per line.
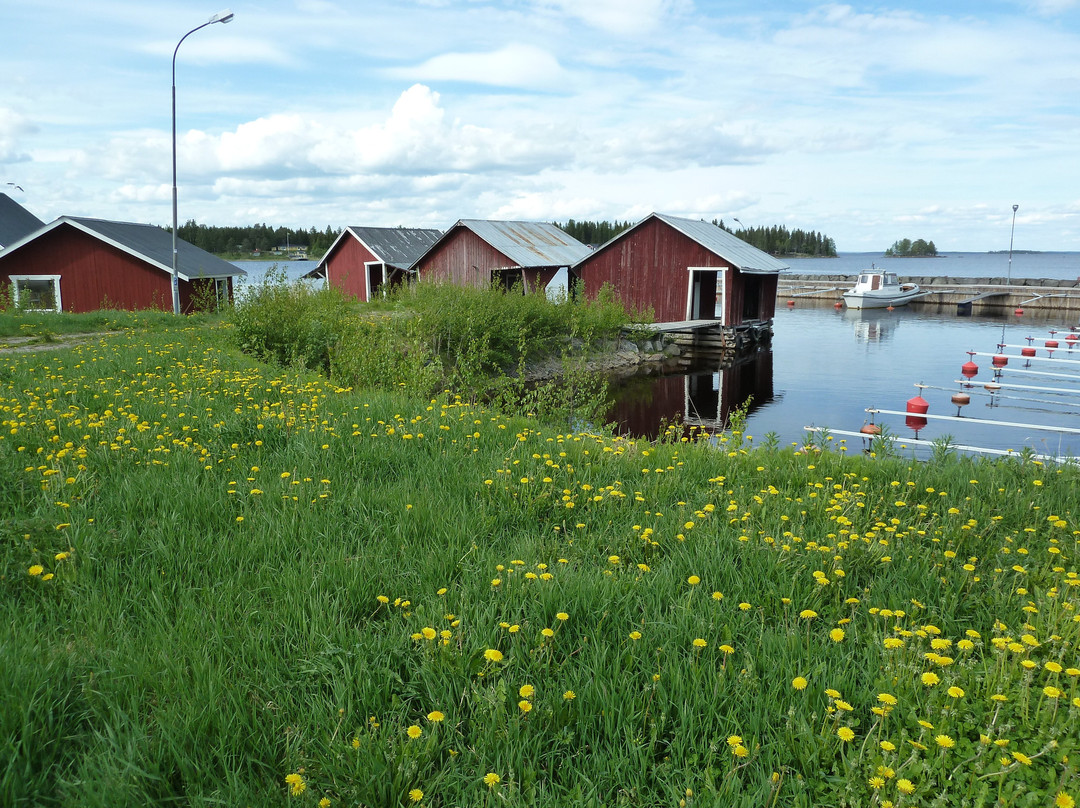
x=224, y=583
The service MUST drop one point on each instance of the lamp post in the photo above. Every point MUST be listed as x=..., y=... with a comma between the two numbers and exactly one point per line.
x=221, y=16
x=1008, y=280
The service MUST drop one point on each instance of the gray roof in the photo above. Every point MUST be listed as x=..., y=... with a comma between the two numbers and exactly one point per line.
x=147, y=242
x=398, y=247
x=732, y=249
x=528, y=244
x=15, y=221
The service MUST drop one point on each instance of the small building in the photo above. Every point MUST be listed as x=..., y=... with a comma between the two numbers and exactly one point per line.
x=685, y=269
x=77, y=265
x=482, y=253
x=16, y=222
x=363, y=262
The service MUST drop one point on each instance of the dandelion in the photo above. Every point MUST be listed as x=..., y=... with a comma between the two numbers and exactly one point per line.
x=296, y=784
x=905, y=786
x=1063, y=800
x=727, y=649
x=717, y=595
x=1053, y=667
x=414, y=732
x=428, y=633
x=493, y=655
x=930, y=678
x=36, y=570
x=526, y=691
x=799, y=683
x=956, y=692
x=740, y=751
x=547, y=632
x=876, y=782
x=562, y=617
x=416, y=795
x=435, y=716
x=887, y=698
x=700, y=643
x=845, y=734
x=734, y=740
x=744, y=606
x=1052, y=692
x=693, y=580
x=569, y=695
x=808, y=614
x=525, y=705
x=888, y=746
x=836, y=635
x=635, y=635
x=944, y=741
x=1020, y=757
x=491, y=779
x=324, y=802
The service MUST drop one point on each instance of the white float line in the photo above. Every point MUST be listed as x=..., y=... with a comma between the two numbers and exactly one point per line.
x=1046, y=428
x=959, y=447
x=1053, y=359
x=1062, y=374
x=1014, y=386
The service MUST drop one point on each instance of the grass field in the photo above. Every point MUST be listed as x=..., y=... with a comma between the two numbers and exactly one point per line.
x=224, y=583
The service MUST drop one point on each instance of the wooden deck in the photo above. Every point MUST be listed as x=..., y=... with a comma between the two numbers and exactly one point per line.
x=684, y=325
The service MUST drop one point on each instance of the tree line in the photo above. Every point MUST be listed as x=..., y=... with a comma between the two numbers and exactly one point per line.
x=256, y=238
x=589, y=232
x=905, y=247
x=778, y=240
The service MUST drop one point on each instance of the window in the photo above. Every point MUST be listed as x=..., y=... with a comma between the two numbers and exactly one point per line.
x=37, y=292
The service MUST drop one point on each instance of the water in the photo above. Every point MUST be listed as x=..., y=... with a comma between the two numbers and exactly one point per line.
x=826, y=367
x=1058, y=265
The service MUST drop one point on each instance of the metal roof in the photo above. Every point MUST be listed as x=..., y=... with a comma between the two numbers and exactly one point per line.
x=732, y=249
x=15, y=221
x=147, y=242
x=528, y=244
x=397, y=246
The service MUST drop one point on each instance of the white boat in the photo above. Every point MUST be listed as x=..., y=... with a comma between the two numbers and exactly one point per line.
x=878, y=290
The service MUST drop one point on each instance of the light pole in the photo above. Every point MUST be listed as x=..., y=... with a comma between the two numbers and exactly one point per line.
x=221, y=16
x=1008, y=281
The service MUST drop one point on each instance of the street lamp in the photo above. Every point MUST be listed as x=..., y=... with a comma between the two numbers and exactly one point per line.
x=221, y=16
x=1008, y=281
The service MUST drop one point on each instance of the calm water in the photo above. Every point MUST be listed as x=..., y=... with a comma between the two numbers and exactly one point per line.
x=1059, y=265
x=827, y=366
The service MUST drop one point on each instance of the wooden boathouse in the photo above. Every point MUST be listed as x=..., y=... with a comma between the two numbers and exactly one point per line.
x=696, y=277
x=363, y=262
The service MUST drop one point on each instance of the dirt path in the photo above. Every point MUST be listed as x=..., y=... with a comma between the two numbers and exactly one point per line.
x=10, y=345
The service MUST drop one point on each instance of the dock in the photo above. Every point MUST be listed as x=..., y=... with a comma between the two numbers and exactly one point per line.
x=967, y=294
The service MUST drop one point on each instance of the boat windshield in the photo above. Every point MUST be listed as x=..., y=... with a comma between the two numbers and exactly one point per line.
x=890, y=279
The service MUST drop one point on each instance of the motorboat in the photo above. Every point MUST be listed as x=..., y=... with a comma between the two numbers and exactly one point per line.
x=879, y=290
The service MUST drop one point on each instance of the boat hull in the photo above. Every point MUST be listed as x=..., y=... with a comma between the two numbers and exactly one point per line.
x=882, y=299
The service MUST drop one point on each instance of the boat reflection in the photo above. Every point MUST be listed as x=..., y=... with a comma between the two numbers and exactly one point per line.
x=873, y=325
x=700, y=398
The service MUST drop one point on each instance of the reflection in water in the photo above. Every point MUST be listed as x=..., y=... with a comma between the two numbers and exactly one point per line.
x=701, y=397
x=873, y=325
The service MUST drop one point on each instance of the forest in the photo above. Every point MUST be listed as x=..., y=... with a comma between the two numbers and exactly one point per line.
x=256, y=238
x=905, y=248
x=775, y=240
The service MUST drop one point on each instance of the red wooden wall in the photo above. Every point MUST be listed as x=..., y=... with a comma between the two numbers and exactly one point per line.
x=94, y=274
x=465, y=259
x=345, y=270
x=648, y=268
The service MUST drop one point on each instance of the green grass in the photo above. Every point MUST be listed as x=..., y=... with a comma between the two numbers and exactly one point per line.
x=50, y=325
x=253, y=556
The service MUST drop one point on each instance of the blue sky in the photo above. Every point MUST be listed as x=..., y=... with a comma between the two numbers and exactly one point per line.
x=868, y=122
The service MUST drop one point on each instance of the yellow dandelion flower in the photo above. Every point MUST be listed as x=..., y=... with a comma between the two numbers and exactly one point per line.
x=734, y=740
x=799, y=683
x=562, y=617
x=435, y=716
x=930, y=678
x=727, y=649
x=493, y=655
x=699, y=643
x=836, y=635
x=547, y=632
x=876, y=782
x=693, y=580
x=416, y=795
x=845, y=734
x=888, y=746
x=1052, y=692
x=944, y=741
x=36, y=570
x=887, y=698
x=324, y=802
x=414, y=732
x=491, y=779
x=955, y=692
x=740, y=751
x=1021, y=758
x=1063, y=800
x=1053, y=667
x=526, y=691
x=569, y=695
x=905, y=786
x=296, y=784
x=525, y=705
x=428, y=633
x=808, y=614
x=635, y=635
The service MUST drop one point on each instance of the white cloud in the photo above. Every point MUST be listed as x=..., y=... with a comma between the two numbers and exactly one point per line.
x=14, y=128
x=514, y=65
x=619, y=17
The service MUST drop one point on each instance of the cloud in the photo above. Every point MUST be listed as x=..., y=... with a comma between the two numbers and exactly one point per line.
x=14, y=127
x=618, y=17
x=513, y=65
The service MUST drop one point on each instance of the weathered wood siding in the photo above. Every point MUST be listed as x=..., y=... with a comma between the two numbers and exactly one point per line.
x=648, y=268
x=94, y=274
x=463, y=258
x=345, y=270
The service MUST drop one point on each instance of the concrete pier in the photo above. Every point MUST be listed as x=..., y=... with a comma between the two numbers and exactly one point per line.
x=978, y=294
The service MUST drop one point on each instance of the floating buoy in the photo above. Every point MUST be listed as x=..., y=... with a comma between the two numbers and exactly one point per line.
x=999, y=360
x=1051, y=343
x=916, y=423
x=918, y=405
x=960, y=400
x=1027, y=351
x=1019, y=312
x=889, y=308
x=1071, y=340
x=870, y=429
x=791, y=303
x=838, y=305
x=993, y=387
x=969, y=368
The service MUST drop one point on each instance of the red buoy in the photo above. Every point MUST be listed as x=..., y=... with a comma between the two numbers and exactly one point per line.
x=1071, y=340
x=1019, y=312
x=838, y=305
x=915, y=422
x=918, y=405
x=870, y=429
x=1051, y=343
x=969, y=368
x=1027, y=351
x=999, y=360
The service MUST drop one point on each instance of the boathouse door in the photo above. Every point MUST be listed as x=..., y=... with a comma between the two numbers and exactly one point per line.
x=701, y=297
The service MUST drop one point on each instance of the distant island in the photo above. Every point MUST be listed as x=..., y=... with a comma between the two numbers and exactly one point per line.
x=906, y=248
x=1014, y=252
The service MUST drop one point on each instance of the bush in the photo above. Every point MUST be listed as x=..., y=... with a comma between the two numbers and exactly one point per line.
x=290, y=323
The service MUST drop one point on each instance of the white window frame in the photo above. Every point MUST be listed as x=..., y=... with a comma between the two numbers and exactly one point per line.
x=55, y=279
x=721, y=285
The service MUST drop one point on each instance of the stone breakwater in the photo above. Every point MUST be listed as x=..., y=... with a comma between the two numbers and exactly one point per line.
x=1043, y=294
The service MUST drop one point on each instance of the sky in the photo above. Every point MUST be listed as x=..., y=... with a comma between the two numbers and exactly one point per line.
x=867, y=122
